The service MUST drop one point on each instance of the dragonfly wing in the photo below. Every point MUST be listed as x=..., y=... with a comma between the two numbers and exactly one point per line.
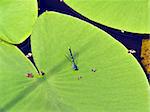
x=76, y=55
x=68, y=57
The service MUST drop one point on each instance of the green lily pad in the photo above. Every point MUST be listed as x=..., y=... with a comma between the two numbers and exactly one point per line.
x=14, y=85
x=128, y=15
x=108, y=79
x=17, y=18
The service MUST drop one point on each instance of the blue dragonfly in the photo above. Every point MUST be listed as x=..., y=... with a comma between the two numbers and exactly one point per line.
x=71, y=58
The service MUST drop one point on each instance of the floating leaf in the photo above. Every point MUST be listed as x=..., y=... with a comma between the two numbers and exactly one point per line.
x=128, y=15
x=17, y=19
x=145, y=54
x=14, y=85
x=108, y=80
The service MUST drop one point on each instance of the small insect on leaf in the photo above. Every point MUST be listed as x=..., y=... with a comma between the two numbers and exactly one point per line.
x=71, y=58
x=29, y=75
x=131, y=51
x=93, y=69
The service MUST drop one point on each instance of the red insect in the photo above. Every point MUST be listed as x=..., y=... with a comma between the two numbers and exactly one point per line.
x=29, y=75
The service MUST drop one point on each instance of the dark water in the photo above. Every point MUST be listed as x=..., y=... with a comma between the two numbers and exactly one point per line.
x=130, y=40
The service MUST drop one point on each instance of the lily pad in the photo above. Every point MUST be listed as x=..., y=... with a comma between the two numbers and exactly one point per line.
x=108, y=79
x=14, y=84
x=128, y=15
x=17, y=19
x=145, y=54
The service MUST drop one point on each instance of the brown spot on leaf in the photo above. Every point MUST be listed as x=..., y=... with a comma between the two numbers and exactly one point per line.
x=29, y=75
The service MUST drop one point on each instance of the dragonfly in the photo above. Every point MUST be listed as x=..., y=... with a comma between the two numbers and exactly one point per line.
x=71, y=58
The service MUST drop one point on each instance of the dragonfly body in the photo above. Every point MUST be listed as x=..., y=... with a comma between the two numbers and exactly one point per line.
x=74, y=66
